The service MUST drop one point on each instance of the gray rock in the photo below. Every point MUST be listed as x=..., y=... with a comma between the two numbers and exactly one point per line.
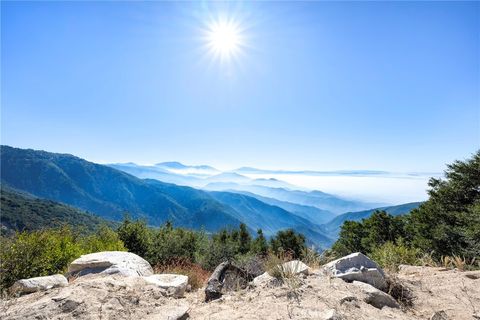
x=439, y=315
x=226, y=277
x=348, y=299
x=175, y=285
x=110, y=262
x=266, y=280
x=39, y=284
x=375, y=297
x=357, y=267
x=331, y=314
x=179, y=312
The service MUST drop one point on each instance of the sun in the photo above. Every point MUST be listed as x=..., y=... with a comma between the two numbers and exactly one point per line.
x=224, y=38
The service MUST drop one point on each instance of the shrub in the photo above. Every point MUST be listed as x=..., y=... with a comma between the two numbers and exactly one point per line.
x=49, y=251
x=197, y=276
x=104, y=240
x=172, y=244
x=136, y=236
x=38, y=253
x=391, y=255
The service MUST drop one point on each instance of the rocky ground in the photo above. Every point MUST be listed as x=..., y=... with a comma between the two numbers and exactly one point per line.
x=318, y=296
x=428, y=293
x=322, y=297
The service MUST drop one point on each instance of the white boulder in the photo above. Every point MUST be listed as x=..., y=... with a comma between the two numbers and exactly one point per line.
x=39, y=284
x=111, y=262
x=174, y=284
x=295, y=267
x=357, y=267
x=375, y=297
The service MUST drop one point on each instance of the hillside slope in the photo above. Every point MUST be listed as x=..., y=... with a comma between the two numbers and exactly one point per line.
x=314, y=214
x=333, y=227
x=22, y=212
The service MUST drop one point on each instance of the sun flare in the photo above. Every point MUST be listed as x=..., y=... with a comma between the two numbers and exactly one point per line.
x=224, y=39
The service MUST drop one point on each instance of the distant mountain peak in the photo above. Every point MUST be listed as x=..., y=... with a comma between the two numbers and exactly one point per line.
x=178, y=165
x=171, y=164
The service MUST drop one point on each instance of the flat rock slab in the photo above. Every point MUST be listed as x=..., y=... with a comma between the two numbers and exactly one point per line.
x=357, y=267
x=375, y=297
x=39, y=284
x=174, y=284
x=111, y=262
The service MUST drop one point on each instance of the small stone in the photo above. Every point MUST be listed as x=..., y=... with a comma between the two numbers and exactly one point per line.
x=377, y=298
x=348, y=299
x=331, y=314
x=30, y=285
x=439, y=315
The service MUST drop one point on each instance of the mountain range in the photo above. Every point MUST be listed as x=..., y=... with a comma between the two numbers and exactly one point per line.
x=110, y=194
x=225, y=200
x=236, y=182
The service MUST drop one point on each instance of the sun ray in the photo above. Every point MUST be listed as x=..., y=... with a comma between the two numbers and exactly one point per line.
x=224, y=39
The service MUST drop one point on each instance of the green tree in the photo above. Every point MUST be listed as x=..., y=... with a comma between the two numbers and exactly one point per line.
x=448, y=223
x=259, y=244
x=288, y=241
x=380, y=228
x=136, y=236
x=245, y=239
x=350, y=238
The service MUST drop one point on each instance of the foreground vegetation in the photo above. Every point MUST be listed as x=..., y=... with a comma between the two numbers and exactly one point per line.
x=195, y=253
x=444, y=230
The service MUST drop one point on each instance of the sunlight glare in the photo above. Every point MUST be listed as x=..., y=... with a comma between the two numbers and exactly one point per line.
x=224, y=39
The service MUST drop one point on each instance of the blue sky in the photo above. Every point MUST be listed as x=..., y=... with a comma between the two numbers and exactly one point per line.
x=321, y=86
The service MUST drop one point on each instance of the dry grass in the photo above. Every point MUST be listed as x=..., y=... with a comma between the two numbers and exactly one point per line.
x=457, y=262
x=311, y=258
x=287, y=275
x=197, y=276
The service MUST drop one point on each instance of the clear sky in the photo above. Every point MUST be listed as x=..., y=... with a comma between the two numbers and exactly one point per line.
x=314, y=85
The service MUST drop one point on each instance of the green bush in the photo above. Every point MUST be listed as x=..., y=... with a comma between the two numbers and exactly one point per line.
x=105, y=239
x=136, y=236
x=172, y=244
x=49, y=251
x=391, y=255
x=38, y=253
